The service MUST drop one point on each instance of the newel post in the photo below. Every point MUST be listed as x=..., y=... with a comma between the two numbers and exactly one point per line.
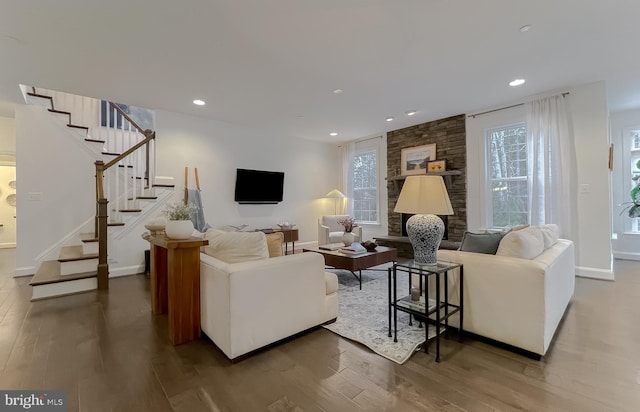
x=101, y=227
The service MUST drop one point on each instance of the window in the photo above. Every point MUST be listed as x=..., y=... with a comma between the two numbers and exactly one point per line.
x=508, y=195
x=629, y=177
x=365, y=185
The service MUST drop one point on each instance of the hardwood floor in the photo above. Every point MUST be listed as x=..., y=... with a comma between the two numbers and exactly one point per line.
x=111, y=354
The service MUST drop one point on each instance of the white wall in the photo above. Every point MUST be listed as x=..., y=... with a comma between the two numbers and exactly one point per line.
x=589, y=117
x=56, y=182
x=588, y=106
x=217, y=149
x=625, y=245
x=7, y=138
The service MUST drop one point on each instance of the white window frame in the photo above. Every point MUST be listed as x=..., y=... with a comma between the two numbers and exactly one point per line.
x=630, y=226
x=488, y=186
x=365, y=146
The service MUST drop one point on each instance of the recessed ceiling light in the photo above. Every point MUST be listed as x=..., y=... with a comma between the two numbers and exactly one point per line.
x=526, y=27
x=199, y=102
x=390, y=118
x=333, y=134
x=411, y=112
x=337, y=91
x=516, y=82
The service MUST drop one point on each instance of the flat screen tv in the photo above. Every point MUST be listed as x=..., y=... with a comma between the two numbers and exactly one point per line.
x=259, y=186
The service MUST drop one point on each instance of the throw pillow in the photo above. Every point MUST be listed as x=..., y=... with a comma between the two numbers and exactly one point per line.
x=233, y=247
x=481, y=242
x=525, y=244
x=274, y=243
x=550, y=234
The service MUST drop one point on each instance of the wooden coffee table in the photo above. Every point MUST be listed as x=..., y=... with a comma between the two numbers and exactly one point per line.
x=359, y=262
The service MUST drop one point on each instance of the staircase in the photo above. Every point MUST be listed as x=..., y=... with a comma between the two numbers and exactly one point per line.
x=125, y=180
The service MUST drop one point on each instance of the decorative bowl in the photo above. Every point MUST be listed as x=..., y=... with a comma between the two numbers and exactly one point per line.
x=370, y=246
x=154, y=228
x=286, y=226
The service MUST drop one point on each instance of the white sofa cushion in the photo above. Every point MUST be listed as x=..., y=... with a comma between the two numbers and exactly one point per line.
x=234, y=247
x=525, y=244
x=550, y=235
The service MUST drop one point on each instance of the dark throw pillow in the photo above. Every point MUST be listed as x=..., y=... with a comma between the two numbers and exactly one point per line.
x=481, y=242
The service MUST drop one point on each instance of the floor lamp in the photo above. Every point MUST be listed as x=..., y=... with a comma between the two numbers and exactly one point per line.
x=335, y=194
x=426, y=197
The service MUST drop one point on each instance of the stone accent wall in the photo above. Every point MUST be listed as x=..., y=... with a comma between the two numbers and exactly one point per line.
x=449, y=135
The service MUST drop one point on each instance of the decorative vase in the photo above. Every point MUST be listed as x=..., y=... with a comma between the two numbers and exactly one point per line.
x=179, y=229
x=348, y=238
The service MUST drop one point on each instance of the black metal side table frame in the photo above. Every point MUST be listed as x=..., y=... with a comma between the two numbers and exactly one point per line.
x=426, y=311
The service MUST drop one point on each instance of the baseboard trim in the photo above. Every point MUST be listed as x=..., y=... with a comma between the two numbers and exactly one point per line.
x=592, y=273
x=626, y=255
x=9, y=245
x=126, y=271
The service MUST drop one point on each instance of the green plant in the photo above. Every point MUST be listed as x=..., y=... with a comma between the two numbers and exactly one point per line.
x=179, y=211
x=633, y=207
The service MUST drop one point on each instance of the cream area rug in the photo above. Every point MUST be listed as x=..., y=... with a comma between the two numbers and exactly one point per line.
x=363, y=315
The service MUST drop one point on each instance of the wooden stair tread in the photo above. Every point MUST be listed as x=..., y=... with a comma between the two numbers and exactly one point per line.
x=115, y=224
x=145, y=197
x=156, y=185
x=111, y=154
x=77, y=126
x=94, y=140
x=42, y=96
x=59, y=111
x=129, y=166
x=73, y=253
x=49, y=272
x=130, y=210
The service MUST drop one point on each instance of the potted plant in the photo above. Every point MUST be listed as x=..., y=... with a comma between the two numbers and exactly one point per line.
x=179, y=224
x=348, y=223
x=633, y=207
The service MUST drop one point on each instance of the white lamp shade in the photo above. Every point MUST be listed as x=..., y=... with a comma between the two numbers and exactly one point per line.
x=335, y=194
x=424, y=195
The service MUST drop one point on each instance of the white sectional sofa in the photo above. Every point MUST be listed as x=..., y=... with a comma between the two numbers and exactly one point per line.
x=519, y=295
x=252, y=300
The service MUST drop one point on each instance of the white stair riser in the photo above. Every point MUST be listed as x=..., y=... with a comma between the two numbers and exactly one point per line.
x=64, y=288
x=78, y=266
x=90, y=248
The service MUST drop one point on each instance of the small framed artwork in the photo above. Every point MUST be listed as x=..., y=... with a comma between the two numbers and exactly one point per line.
x=437, y=165
x=413, y=160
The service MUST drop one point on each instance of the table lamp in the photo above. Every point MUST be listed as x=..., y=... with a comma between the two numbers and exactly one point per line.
x=425, y=197
x=335, y=194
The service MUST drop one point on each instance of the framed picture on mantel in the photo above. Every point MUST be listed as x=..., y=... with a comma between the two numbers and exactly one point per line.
x=414, y=160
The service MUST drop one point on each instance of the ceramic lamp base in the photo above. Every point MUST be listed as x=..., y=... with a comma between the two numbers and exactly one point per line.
x=425, y=233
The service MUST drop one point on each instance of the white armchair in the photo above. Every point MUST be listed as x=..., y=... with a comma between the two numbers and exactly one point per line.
x=330, y=231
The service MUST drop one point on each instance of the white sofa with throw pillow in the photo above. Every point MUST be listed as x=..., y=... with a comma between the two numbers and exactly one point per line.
x=250, y=300
x=519, y=294
x=331, y=231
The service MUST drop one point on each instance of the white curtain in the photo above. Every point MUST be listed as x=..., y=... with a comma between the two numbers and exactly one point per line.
x=551, y=164
x=347, y=152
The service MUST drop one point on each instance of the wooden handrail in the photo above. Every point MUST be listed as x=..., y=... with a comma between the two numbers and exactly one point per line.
x=149, y=136
x=126, y=116
x=101, y=202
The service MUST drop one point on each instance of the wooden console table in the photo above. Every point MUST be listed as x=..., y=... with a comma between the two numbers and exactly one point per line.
x=175, y=284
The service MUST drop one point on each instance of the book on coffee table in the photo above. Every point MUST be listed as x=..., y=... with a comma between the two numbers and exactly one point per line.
x=354, y=249
x=331, y=246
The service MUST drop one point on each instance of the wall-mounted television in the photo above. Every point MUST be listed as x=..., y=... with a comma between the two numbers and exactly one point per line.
x=259, y=186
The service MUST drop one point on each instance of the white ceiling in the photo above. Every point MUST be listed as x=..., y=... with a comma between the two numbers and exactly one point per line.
x=273, y=64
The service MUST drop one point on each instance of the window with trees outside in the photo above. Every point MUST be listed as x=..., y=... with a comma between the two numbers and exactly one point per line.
x=507, y=171
x=365, y=186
